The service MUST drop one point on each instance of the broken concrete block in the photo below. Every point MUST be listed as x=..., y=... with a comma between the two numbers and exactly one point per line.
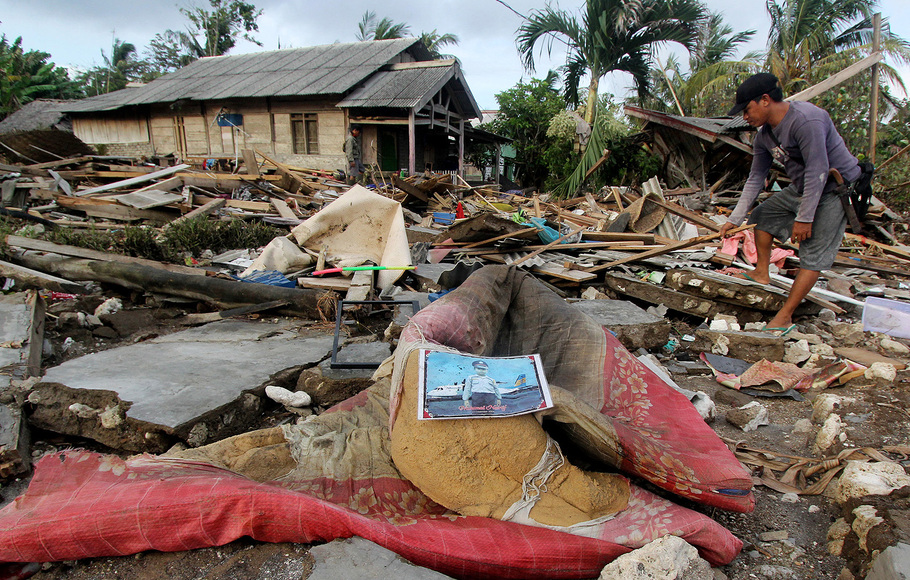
x=288, y=398
x=749, y=417
x=109, y=306
x=15, y=456
x=359, y=559
x=678, y=301
x=708, y=284
x=634, y=327
x=828, y=434
x=878, y=478
x=200, y=382
x=837, y=533
x=731, y=398
x=775, y=536
x=881, y=373
x=823, y=405
x=15, y=319
x=797, y=352
x=892, y=564
x=802, y=426
x=668, y=557
x=849, y=334
x=748, y=346
x=865, y=519
x=894, y=347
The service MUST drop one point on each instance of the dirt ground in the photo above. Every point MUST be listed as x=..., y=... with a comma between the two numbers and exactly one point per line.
x=876, y=417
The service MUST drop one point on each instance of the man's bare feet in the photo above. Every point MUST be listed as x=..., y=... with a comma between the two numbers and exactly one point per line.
x=754, y=276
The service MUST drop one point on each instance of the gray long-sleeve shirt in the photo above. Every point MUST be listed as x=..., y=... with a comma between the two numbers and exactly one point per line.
x=352, y=149
x=812, y=145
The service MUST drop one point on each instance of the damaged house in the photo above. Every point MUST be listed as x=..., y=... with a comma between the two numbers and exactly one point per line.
x=295, y=105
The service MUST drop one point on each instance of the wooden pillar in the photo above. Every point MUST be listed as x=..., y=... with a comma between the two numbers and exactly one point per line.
x=496, y=161
x=412, y=144
x=873, y=113
x=461, y=148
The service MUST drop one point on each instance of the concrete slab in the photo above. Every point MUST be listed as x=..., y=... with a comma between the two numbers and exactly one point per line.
x=634, y=327
x=15, y=317
x=197, y=385
x=359, y=559
x=14, y=442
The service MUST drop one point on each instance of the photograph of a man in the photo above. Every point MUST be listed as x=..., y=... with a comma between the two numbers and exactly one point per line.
x=479, y=389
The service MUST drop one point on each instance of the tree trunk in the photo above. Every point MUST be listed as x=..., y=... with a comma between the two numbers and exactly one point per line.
x=218, y=291
x=592, y=101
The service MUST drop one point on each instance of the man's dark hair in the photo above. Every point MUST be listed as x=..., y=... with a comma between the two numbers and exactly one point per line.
x=354, y=127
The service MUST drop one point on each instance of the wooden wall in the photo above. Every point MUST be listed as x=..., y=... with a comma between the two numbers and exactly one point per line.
x=103, y=130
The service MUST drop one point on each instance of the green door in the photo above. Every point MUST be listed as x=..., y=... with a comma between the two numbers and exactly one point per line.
x=388, y=152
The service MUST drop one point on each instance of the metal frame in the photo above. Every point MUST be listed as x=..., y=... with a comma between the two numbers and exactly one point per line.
x=339, y=310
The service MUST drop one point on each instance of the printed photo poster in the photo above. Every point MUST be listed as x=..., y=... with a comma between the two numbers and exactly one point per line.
x=457, y=386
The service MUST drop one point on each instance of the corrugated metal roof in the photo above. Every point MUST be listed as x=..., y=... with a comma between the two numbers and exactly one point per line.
x=317, y=70
x=404, y=88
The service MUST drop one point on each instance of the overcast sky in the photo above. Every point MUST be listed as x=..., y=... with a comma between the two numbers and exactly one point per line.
x=75, y=31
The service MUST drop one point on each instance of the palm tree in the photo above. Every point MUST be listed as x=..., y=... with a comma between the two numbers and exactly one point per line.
x=384, y=29
x=435, y=41
x=811, y=39
x=612, y=35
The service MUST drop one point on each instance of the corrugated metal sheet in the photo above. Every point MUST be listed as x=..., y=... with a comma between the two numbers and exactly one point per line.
x=317, y=70
x=399, y=88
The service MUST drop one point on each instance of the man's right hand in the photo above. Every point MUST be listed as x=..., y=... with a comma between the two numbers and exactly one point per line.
x=724, y=229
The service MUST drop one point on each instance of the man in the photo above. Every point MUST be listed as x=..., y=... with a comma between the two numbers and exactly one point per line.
x=352, y=150
x=808, y=211
x=479, y=389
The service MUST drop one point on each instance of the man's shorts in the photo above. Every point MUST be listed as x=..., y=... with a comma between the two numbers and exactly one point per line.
x=776, y=216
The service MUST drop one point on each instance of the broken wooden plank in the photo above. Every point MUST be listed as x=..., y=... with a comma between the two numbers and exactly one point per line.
x=548, y=246
x=61, y=162
x=337, y=283
x=283, y=209
x=206, y=209
x=695, y=218
x=134, y=180
x=680, y=245
x=409, y=189
x=249, y=160
x=34, y=279
x=147, y=199
x=113, y=210
x=76, y=252
x=618, y=237
x=35, y=335
x=361, y=286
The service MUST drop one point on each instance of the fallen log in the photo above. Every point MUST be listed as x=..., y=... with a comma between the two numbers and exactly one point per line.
x=216, y=291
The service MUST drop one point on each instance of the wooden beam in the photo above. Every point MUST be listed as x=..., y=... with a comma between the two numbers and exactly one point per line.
x=412, y=144
x=113, y=210
x=837, y=78
x=284, y=209
x=134, y=180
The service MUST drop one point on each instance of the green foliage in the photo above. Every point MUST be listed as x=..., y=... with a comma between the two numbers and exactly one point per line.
x=435, y=42
x=215, y=32
x=525, y=112
x=27, y=75
x=612, y=35
x=201, y=233
x=120, y=67
x=370, y=28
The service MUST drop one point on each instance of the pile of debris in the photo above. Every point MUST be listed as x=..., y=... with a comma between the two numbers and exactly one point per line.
x=243, y=339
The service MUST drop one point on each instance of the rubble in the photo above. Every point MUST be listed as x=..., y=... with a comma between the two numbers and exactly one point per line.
x=133, y=303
